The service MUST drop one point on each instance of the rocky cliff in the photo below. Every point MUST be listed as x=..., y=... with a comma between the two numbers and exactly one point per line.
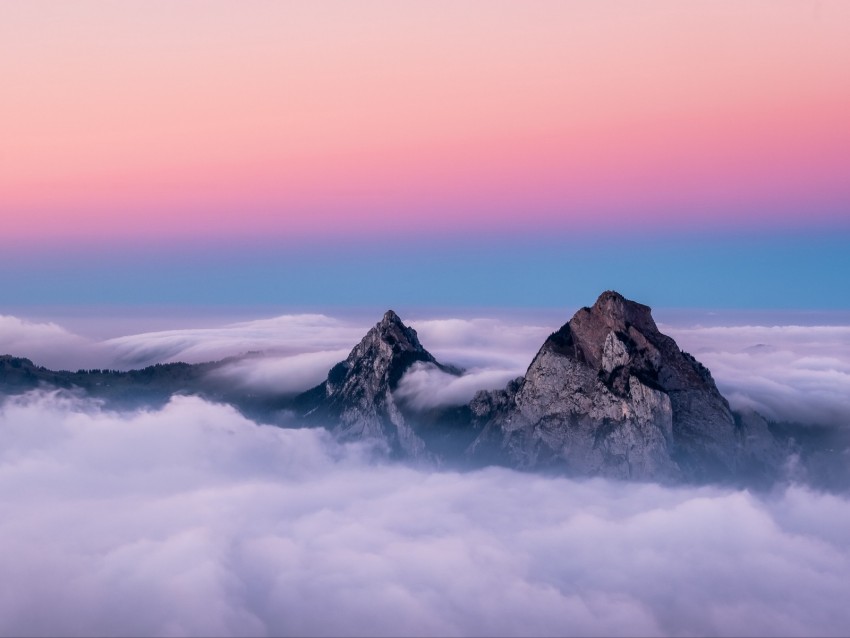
x=356, y=400
x=608, y=394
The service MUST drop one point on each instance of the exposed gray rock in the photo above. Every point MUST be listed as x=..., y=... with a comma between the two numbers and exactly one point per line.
x=356, y=401
x=609, y=395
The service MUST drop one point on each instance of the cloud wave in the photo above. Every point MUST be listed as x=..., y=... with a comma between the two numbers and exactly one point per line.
x=283, y=335
x=424, y=386
x=276, y=374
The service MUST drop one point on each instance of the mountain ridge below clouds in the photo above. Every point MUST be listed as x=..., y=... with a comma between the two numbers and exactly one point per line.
x=606, y=395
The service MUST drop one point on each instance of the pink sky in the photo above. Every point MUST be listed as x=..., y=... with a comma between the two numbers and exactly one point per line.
x=214, y=118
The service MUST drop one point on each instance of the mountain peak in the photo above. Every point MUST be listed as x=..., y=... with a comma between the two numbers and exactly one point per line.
x=609, y=371
x=390, y=317
x=615, y=311
x=585, y=335
x=358, y=392
x=392, y=331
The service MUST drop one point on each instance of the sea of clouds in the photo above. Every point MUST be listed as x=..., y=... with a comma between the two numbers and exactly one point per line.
x=193, y=520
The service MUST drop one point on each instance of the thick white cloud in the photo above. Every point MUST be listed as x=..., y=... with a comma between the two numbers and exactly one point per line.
x=192, y=520
x=277, y=374
x=482, y=342
x=425, y=386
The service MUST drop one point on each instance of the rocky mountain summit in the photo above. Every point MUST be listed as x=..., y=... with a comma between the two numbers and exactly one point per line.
x=357, y=397
x=608, y=394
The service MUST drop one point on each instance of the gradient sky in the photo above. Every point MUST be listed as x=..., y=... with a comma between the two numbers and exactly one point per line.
x=501, y=153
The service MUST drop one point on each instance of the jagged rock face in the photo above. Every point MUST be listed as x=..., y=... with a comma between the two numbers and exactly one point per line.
x=608, y=394
x=357, y=395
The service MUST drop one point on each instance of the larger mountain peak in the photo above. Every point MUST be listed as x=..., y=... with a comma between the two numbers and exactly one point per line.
x=615, y=310
x=585, y=335
x=608, y=392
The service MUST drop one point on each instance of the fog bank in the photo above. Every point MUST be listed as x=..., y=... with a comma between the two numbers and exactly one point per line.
x=191, y=520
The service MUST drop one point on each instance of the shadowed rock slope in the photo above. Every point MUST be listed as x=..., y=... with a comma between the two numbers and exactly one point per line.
x=608, y=394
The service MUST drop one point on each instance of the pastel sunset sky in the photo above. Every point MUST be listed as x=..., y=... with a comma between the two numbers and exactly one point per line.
x=384, y=152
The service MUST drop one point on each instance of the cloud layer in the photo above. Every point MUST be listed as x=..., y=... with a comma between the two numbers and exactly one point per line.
x=192, y=520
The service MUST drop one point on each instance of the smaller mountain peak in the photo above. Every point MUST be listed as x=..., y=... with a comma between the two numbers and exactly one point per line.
x=392, y=330
x=359, y=390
